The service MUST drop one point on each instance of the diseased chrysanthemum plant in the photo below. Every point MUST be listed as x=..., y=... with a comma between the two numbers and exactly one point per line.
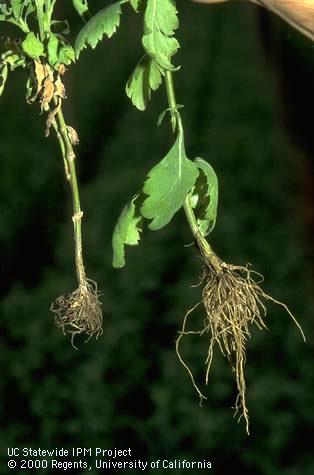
x=42, y=50
x=232, y=296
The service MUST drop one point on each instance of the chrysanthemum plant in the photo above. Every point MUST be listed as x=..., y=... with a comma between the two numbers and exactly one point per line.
x=232, y=297
x=40, y=46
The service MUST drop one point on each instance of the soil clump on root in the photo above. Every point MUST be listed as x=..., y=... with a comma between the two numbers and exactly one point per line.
x=79, y=312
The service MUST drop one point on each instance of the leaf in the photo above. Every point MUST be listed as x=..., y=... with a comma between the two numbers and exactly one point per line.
x=59, y=51
x=60, y=26
x=160, y=23
x=29, y=8
x=32, y=46
x=168, y=184
x=145, y=78
x=12, y=59
x=17, y=13
x=103, y=23
x=135, y=4
x=155, y=73
x=127, y=231
x=66, y=54
x=205, y=196
x=81, y=6
x=17, y=6
x=4, y=11
x=165, y=112
x=52, y=48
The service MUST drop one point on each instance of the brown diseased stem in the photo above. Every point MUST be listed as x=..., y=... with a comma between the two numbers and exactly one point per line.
x=70, y=171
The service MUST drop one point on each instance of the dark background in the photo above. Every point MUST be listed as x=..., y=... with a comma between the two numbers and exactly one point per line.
x=247, y=85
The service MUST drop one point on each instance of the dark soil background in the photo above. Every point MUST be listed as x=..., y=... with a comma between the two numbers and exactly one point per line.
x=247, y=85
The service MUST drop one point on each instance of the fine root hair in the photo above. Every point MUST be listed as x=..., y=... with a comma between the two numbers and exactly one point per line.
x=233, y=301
x=79, y=312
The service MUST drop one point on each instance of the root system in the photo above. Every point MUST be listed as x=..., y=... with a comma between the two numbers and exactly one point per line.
x=233, y=300
x=79, y=312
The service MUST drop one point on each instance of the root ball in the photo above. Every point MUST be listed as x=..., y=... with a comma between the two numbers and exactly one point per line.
x=79, y=312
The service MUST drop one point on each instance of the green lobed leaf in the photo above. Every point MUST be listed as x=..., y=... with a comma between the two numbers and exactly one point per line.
x=155, y=73
x=32, y=46
x=160, y=23
x=17, y=7
x=17, y=12
x=135, y=4
x=81, y=6
x=12, y=59
x=66, y=54
x=59, y=52
x=5, y=11
x=205, y=196
x=168, y=184
x=145, y=78
x=52, y=49
x=127, y=231
x=103, y=23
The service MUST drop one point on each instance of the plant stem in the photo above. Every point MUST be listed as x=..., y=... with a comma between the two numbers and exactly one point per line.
x=171, y=96
x=20, y=24
x=170, y=90
x=40, y=17
x=203, y=245
x=70, y=172
x=190, y=216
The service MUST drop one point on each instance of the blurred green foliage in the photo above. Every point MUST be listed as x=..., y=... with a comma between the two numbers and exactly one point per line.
x=128, y=388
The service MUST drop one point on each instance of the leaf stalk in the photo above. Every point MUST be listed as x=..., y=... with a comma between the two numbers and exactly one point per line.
x=203, y=245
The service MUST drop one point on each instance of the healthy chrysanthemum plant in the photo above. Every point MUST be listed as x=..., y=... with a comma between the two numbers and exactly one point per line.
x=42, y=50
x=232, y=297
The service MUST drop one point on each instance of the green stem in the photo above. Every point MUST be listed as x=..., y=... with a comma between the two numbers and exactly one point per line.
x=49, y=6
x=171, y=95
x=70, y=171
x=190, y=216
x=40, y=18
x=203, y=245
x=21, y=24
x=205, y=248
